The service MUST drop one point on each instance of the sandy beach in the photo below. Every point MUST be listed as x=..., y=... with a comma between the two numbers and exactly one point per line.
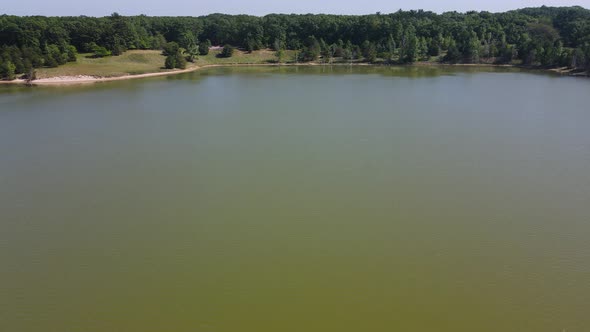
x=82, y=79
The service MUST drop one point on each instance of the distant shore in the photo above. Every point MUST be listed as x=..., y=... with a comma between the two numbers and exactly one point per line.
x=88, y=79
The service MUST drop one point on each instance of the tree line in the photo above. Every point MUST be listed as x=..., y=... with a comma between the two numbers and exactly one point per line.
x=544, y=36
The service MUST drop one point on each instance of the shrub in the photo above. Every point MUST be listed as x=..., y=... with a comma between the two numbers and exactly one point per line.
x=180, y=60
x=227, y=52
x=72, y=53
x=100, y=51
x=8, y=70
x=170, y=62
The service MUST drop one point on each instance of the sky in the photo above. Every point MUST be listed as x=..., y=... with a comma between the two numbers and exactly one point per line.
x=259, y=7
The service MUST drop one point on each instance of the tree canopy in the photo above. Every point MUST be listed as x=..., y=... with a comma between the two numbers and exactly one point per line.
x=544, y=36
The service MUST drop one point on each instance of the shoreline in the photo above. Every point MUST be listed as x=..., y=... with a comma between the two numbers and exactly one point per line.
x=86, y=79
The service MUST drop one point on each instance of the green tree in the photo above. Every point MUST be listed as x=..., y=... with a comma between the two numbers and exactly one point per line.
x=279, y=51
x=8, y=70
x=473, y=48
x=122, y=34
x=204, y=47
x=118, y=47
x=252, y=43
x=180, y=59
x=356, y=52
x=435, y=46
x=348, y=53
x=391, y=45
x=280, y=54
x=53, y=56
x=187, y=40
x=171, y=48
x=170, y=62
x=227, y=52
x=409, y=45
x=324, y=50
x=31, y=75
x=422, y=49
x=158, y=41
x=72, y=53
x=338, y=48
x=453, y=55
x=312, y=49
x=100, y=51
x=369, y=51
x=192, y=53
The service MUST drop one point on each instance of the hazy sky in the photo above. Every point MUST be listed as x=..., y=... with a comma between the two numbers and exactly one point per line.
x=259, y=7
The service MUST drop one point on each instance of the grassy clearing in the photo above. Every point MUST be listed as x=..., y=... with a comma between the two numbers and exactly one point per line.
x=150, y=61
x=241, y=57
x=130, y=63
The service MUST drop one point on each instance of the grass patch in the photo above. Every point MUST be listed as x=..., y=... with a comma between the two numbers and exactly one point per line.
x=242, y=57
x=129, y=63
x=150, y=61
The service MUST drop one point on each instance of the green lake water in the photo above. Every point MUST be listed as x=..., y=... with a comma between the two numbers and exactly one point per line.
x=297, y=199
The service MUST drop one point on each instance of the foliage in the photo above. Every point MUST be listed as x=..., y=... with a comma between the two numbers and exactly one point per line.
x=453, y=53
x=176, y=60
x=204, y=47
x=157, y=42
x=170, y=48
x=99, y=51
x=72, y=53
x=187, y=40
x=8, y=71
x=170, y=62
x=54, y=57
x=192, y=53
x=227, y=52
x=543, y=36
x=280, y=54
x=311, y=51
x=369, y=51
x=180, y=59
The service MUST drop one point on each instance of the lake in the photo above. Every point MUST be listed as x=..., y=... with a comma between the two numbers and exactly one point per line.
x=297, y=199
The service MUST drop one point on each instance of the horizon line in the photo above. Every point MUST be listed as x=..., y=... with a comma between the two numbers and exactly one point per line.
x=302, y=13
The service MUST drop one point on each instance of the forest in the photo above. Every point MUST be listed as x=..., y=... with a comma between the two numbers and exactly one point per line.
x=543, y=37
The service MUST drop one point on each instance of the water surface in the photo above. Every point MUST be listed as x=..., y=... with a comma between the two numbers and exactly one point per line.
x=297, y=199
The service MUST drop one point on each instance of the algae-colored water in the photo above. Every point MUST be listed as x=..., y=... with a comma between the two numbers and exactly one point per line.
x=297, y=199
